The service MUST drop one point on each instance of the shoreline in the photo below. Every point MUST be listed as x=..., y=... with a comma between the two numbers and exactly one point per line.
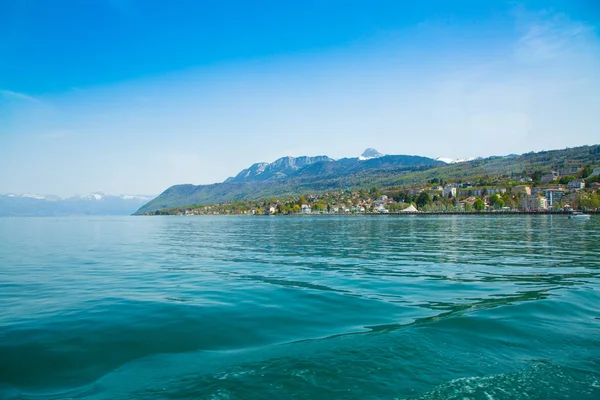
x=397, y=213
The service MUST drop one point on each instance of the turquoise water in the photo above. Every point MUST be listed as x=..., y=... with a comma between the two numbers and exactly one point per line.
x=435, y=307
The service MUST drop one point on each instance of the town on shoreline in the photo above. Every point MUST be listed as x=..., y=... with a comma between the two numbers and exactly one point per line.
x=554, y=192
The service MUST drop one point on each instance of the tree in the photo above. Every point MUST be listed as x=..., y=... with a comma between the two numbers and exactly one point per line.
x=301, y=200
x=375, y=193
x=479, y=205
x=318, y=206
x=493, y=199
x=587, y=201
x=586, y=171
x=565, y=179
x=423, y=199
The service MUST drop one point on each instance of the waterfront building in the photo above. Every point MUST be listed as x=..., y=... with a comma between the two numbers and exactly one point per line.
x=533, y=203
x=554, y=196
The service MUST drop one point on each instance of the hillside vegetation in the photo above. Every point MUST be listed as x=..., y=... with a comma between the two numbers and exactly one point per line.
x=386, y=171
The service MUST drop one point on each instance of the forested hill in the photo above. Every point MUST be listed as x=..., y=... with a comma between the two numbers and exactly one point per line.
x=323, y=174
x=289, y=176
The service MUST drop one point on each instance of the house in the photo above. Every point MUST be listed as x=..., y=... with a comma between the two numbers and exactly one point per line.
x=305, y=209
x=382, y=198
x=449, y=192
x=533, y=203
x=595, y=185
x=576, y=184
x=471, y=192
x=379, y=207
x=492, y=191
x=521, y=189
x=470, y=200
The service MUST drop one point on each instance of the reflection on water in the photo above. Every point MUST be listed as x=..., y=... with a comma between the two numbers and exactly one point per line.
x=348, y=307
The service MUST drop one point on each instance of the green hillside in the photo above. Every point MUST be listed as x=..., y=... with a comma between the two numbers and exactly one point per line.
x=382, y=172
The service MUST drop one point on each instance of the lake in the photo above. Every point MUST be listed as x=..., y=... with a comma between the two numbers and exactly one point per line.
x=321, y=307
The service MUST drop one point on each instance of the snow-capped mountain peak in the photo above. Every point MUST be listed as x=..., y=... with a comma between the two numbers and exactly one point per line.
x=34, y=196
x=94, y=196
x=369, y=154
x=448, y=160
x=96, y=203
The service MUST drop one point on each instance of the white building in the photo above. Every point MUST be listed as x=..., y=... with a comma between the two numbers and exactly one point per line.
x=449, y=191
x=492, y=191
x=379, y=208
x=305, y=209
x=533, y=203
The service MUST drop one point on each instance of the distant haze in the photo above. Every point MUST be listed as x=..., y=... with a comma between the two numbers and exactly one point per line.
x=124, y=97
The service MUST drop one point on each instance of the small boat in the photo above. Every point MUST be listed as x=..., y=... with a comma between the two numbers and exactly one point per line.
x=579, y=215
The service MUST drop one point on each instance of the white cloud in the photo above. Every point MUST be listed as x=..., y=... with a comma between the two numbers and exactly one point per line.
x=10, y=95
x=547, y=36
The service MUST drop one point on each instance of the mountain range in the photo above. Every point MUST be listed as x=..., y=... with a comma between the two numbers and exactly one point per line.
x=97, y=203
x=290, y=176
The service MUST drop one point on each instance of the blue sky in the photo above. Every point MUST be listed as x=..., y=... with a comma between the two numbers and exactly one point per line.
x=131, y=96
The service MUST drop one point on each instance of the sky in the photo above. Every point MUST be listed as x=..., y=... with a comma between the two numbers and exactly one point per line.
x=133, y=96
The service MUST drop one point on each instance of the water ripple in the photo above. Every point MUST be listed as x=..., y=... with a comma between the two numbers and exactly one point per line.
x=424, y=307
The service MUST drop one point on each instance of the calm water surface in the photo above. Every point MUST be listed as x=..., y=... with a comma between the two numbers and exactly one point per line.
x=457, y=307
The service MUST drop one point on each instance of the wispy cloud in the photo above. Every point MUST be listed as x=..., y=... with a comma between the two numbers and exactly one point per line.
x=547, y=36
x=9, y=94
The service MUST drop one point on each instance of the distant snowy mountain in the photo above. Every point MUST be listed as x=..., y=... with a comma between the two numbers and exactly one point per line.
x=369, y=154
x=458, y=160
x=279, y=169
x=96, y=196
x=96, y=203
x=454, y=160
